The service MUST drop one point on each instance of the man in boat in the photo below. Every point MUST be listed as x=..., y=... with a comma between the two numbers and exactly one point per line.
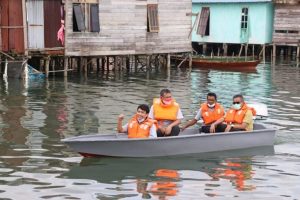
x=167, y=113
x=238, y=118
x=210, y=112
x=140, y=126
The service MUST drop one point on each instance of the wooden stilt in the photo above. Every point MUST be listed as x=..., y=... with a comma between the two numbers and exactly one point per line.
x=271, y=56
x=66, y=66
x=85, y=63
x=135, y=63
x=298, y=52
x=225, y=49
x=42, y=63
x=103, y=62
x=107, y=63
x=253, y=51
x=190, y=60
x=241, y=49
x=52, y=61
x=246, y=51
x=98, y=60
x=128, y=63
x=264, y=53
x=204, y=51
x=47, y=62
x=168, y=61
x=274, y=54
x=289, y=53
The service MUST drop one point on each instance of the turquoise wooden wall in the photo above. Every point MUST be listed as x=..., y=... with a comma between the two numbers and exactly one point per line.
x=225, y=23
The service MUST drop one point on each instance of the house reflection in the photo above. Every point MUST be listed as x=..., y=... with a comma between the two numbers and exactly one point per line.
x=13, y=110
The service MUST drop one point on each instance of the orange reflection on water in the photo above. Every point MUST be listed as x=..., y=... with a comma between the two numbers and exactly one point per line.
x=165, y=185
x=237, y=173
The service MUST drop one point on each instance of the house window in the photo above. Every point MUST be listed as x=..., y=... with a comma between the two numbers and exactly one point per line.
x=152, y=18
x=86, y=17
x=203, y=25
x=244, y=20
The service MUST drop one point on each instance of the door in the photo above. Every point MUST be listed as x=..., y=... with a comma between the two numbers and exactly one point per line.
x=35, y=22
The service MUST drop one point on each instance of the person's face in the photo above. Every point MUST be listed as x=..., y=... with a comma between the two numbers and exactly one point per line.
x=238, y=100
x=141, y=114
x=211, y=100
x=237, y=103
x=167, y=98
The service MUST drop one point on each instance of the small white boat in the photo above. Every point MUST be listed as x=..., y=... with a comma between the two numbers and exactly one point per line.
x=188, y=142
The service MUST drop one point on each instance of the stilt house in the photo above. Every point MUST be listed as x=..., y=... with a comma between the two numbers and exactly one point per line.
x=127, y=27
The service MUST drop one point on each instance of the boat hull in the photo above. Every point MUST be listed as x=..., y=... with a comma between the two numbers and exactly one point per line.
x=228, y=65
x=186, y=143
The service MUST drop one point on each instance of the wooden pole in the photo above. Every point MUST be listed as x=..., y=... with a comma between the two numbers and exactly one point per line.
x=148, y=64
x=66, y=66
x=107, y=63
x=136, y=63
x=264, y=53
x=85, y=66
x=241, y=49
x=168, y=61
x=225, y=48
x=289, y=52
x=98, y=64
x=204, y=49
x=274, y=54
x=298, y=51
x=53, y=64
x=190, y=60
x=246, y=50
x=127, y=63
x=47, y=62
x=253, y=51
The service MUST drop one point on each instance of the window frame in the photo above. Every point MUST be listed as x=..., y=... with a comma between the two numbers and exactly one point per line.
x=152, y=18
x=203, y=28
x=245, y=18
x=86, y=11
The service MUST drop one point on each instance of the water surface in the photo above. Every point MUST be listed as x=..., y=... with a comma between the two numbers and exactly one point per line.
x=36, y=114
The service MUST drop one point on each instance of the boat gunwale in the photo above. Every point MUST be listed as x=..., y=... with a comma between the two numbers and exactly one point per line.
x=117, y=139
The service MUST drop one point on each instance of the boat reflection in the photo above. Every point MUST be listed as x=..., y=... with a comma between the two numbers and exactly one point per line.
x=165, y=177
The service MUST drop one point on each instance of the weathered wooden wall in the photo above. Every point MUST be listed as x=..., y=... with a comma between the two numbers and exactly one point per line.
x=123, y=29
x=286, y=25
x=11, y=24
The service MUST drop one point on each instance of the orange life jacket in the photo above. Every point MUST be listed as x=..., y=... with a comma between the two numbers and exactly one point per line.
x=165, y=112
x=237, y=116
x=208, y=115
x=139, y=130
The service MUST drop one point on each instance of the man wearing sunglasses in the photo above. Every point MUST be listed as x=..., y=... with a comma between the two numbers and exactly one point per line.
x=167, y=113
x=239, y=117
x=210, y=111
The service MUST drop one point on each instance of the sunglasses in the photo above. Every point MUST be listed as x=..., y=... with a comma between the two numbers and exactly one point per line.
x=236, y=102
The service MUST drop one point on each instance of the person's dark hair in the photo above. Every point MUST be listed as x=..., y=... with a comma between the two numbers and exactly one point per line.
x=238, y=96
x=164, y=91
x=144, y=107
x=211, y=94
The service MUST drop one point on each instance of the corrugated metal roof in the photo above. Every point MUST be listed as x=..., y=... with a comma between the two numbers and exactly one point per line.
x=229, y=1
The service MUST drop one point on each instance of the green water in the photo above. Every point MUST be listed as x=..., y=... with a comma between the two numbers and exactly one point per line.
x=36, y=114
